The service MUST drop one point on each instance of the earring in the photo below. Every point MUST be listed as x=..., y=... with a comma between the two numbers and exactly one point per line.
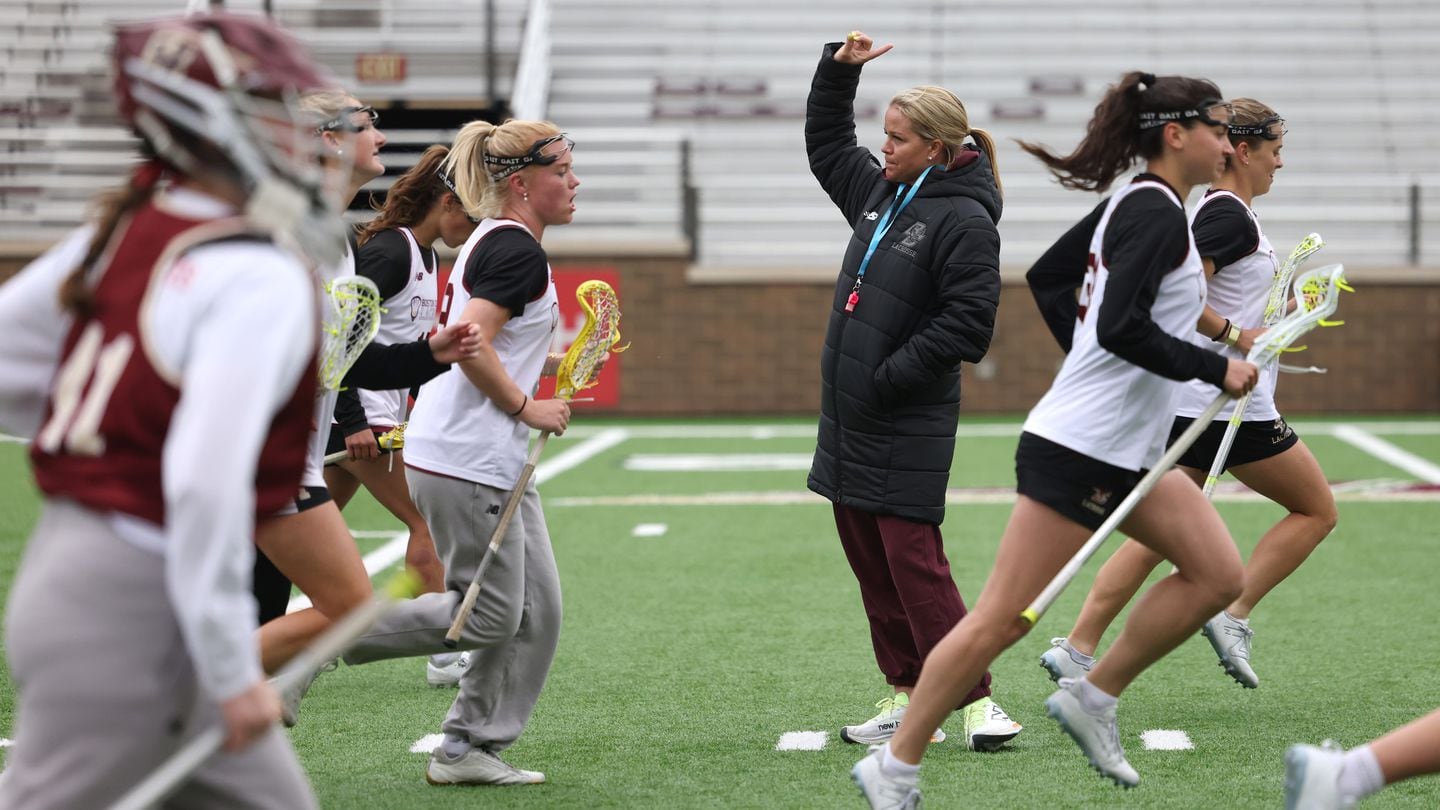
x=339, y=153
x=527, y=196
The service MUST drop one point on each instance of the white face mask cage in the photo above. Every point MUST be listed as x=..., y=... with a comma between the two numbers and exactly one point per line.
x=272, y=156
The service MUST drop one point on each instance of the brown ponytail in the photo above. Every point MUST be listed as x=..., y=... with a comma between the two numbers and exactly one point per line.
x=412, y=196
x=1113, y=138
x=75, y=293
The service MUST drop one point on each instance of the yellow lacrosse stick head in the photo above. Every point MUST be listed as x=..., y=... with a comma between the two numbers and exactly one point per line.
x=598, y=337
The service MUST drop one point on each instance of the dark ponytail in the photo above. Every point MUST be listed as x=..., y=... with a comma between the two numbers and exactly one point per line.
x=411, y=196
x=76, y=294
x=1113, y=138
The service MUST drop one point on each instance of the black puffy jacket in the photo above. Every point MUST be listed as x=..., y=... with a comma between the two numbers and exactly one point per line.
x=890, y=371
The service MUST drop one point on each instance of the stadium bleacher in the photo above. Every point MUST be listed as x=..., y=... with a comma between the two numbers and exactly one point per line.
x=711, y=95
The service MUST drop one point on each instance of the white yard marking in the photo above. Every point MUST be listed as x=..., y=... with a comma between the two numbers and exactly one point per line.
x=649, y=530
x=802, y=741
x=426, y=744
x=394, y=551
x=1421, y=427
x=1372, y=491
x=1388, y=453
x=6, y=743
x=1161, y=739
x=718, y=462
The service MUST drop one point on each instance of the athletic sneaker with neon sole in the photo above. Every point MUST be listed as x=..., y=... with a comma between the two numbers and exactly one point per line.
x=1312, y=777
x=443, y=670
x=987, y=726
x=1230, y=637
x=476, y=767
x=1098, y=735
x=881, y=791
x=1064, y=661
x=883, y=726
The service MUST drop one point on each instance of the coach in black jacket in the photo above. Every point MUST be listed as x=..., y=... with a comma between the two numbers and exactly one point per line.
x=916, y=295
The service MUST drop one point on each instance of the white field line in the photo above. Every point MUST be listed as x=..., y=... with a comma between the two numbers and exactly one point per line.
x=426, y=744
x=718, y=462
x=1377, y=491
x=1388, y=453
x=1419, y=427
x=649, y=530
x=394, y=551
x=6, y=743
x=802, y=741
x=1161, y=739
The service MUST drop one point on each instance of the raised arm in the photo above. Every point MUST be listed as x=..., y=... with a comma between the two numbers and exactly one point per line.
x=847, y=171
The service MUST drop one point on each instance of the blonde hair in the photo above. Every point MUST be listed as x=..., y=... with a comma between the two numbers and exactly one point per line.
x=936, y=114
x=481, y=194
x=319, y=106
x=1249, y=112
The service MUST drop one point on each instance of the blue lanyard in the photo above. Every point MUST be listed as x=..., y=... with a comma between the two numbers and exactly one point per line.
x=892, y=214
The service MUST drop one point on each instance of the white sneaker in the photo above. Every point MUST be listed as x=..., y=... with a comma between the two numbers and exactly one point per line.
x=883, y=726
x=987, y=726
x=881, y=791
x=476, y=767
x=1231, y=639
x=1097, y=734
x=447, y=673
x=290, y=698
x=1064, y=661
x=1312, y=777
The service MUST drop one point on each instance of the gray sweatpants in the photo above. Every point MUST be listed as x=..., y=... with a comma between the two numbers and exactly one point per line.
x=105, y=688
x=515, y=625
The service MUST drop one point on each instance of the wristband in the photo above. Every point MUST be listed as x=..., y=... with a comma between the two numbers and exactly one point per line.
x=523, y=403
x=1232, y=334
x=1223, y=333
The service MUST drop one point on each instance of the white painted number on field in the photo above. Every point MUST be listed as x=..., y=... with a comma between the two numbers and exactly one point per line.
x=801, y=741
x=649, y=530
x=1161, y=739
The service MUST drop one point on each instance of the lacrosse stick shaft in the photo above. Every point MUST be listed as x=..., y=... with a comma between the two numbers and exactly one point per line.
x=452, y=636
x=1031, y=615
x=341, y=455
x=165, y=779
x=1217, y=467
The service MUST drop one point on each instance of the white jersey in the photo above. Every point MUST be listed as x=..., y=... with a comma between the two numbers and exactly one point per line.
x=1103, y=406
x=455, y=429
x=1239, y=292
x=325, y=398
x=407, y=316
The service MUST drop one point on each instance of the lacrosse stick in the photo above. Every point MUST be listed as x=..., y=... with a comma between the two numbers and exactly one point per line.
x=352, y=322
x=165, y=779
x=1274, y=311
x=1317, y=296
x=578, y=370
x=392, y=439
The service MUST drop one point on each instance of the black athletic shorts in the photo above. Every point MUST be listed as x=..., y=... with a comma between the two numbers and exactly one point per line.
x=1255, y=441
x=1077, y=486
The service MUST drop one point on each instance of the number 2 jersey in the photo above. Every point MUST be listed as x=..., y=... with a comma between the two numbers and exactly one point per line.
x=1127, y=333
x=455, y=430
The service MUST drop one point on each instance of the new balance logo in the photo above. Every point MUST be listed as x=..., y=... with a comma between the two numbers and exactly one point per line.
x=872, y=215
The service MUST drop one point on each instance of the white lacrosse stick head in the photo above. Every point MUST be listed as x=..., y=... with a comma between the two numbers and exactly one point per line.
x=351, y=320
x=1317, y=295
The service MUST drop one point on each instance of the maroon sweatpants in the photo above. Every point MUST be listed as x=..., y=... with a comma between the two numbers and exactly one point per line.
x=905, y=583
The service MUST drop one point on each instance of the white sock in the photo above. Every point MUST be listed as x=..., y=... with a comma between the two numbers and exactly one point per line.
x=894, y=768
x=1360, y=775
x=455, y=746
x=1245, y=621
x=1092, y=699
x=1079, y=657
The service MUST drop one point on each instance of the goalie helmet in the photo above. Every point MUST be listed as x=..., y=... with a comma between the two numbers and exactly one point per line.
x=215, y=95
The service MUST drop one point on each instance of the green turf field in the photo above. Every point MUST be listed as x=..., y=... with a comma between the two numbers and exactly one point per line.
x=685, y=656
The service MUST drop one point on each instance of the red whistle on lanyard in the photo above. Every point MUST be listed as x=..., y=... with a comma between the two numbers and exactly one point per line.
x=852, y=301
